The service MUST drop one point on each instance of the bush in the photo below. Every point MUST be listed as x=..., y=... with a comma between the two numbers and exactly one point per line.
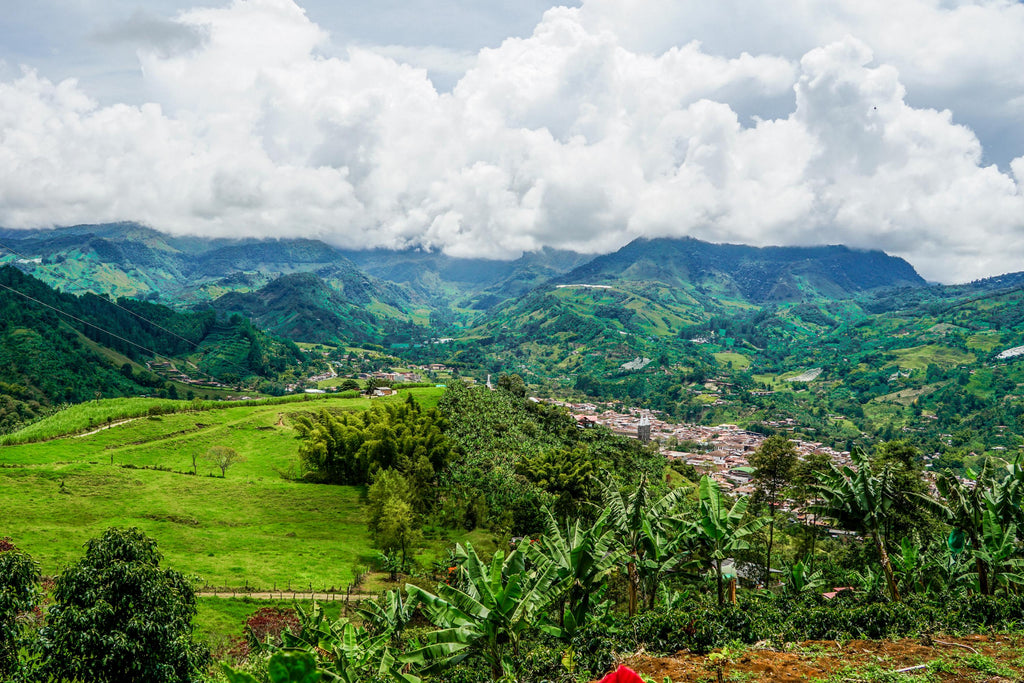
x=119, y=617
x=19, y=575
x=699, y=626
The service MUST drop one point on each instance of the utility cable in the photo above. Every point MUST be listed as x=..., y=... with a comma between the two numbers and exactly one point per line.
x=85, y=322
x=123, y=308
x=155, y=354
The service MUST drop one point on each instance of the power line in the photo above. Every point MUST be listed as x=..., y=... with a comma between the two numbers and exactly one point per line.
x=155, y=354
x=114, y=303
x=85, y=322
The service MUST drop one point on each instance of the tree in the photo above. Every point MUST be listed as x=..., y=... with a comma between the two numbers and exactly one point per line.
x=860, y=500
x=119, y=617
x=350, y=385
x=774, y=463
x=19, y=575
x=513, y=384
x=223, y=457
x=392, y=521
x=564, y=473
x=376, y=383
x=908, y=517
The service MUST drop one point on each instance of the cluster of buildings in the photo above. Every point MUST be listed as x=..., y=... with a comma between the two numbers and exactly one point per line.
x=432, y=367
x=716, y=451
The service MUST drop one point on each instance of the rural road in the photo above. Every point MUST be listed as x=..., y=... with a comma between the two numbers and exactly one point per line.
x=287, y=595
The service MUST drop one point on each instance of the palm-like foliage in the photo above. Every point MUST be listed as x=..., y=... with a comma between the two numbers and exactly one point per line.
x=800, y=579
x=1005, y=495
x=639, y=528
x=388, y=614
x=985, y=513
x=961, y=507
x=583, y=557
x=500, y=604
x=921, y=567
x=721, y=529
x=859, y=500
x=998, y=548
x=347, y=653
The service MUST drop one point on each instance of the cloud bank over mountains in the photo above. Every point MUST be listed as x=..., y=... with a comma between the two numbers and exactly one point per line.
x=795, y=122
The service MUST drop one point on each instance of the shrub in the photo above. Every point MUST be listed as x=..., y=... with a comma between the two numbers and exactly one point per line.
x=119, y=617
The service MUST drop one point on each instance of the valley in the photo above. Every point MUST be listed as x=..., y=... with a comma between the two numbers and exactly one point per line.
x=290, y=418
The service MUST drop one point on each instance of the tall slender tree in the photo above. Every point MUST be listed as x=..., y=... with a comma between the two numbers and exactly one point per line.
x=774, y=464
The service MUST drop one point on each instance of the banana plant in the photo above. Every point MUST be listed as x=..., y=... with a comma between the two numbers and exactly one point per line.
x=669, y=547
x=998, y=548
x=387, y=614
x=909, y=565
x=500, y=605
x=800, y=579
x=583, y=557
x=347, y=653
x=869, y=580
x=638, y=525
x=721, y=529
x=671, y=599
x=860, y=500
x=961, y=507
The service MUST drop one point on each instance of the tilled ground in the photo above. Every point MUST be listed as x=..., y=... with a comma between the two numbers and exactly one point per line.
x=969, y=658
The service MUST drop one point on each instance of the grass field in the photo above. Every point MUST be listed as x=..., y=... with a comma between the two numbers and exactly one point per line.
x=918, y=357
x=738, y=360
x=219, y=619
x=253, y=526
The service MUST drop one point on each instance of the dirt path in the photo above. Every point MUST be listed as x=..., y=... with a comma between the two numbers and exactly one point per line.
x=287, y=595
x=97, y=431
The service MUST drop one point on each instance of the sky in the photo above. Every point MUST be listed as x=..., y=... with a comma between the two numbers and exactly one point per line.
x=489, y=129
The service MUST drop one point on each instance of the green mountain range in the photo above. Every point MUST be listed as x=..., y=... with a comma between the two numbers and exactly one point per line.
x=850, y=344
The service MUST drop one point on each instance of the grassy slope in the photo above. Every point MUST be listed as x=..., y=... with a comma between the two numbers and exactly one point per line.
x=251, y=526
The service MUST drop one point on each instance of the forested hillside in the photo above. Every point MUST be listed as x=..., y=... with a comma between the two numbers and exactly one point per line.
x=60, y=348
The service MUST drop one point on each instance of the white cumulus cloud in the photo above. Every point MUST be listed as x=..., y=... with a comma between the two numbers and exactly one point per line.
x=611, y=121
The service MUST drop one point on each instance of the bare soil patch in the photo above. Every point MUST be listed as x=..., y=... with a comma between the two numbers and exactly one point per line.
x=968, y=658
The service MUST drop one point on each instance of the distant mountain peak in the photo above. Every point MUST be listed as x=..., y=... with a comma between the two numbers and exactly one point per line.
x=757, y=274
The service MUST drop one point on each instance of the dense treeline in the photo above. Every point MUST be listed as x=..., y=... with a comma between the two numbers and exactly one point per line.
x=491, y=459
x=352, y=447
x=519, y=455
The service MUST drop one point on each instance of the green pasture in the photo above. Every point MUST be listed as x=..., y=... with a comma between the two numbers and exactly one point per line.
x=738, y=360
x=255, y=525
x=918, y=357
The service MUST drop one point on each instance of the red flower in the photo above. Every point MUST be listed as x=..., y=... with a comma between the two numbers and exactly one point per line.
x=622, y=675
